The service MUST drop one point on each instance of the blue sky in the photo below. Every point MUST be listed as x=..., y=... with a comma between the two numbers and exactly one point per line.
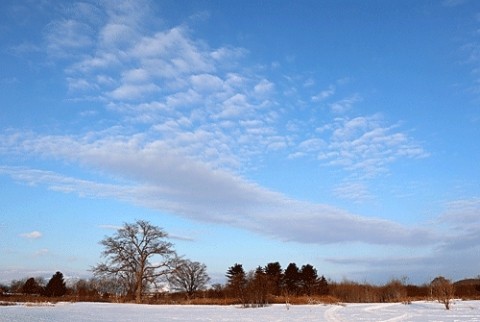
x=343, y=134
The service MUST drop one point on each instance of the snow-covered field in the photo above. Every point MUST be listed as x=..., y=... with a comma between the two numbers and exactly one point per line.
x=76, y=312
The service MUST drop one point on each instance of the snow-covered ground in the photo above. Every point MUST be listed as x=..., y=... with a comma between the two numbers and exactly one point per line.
x=76, y=312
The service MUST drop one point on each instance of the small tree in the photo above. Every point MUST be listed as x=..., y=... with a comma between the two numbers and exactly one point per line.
x=56, y=286
x=393, y=291
x=443, y=290
x=323, y=288
x=3, y=289
x=85, y=288
x=257, y=288
x=137, y=255
x=16, y=286
x=189, y=277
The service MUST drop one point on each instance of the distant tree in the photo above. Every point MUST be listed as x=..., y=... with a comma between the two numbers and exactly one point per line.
x=443, y=290
x=189, y=277
x=85, y=288
x=236, y=282
x=138, y=255
x=309, y=279
x=394, y=291
x=16, y=286
x=257, y=288
x=291, y=279
x=110, y=286
x=56, y=286
x=3, y=289
x=31, y=287
x=274, y=275
x=323, y=288
x=216, y=291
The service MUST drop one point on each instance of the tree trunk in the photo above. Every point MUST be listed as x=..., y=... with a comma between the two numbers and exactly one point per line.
x=138, y=288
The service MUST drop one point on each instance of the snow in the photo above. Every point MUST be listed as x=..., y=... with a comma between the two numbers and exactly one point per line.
x=76, y=312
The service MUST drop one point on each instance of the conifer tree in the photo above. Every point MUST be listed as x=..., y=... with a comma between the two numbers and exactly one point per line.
x=274, y=276
x=291, y=279
x=31, y=286
x=56, y=286
x=237, y=280
x=309, y=279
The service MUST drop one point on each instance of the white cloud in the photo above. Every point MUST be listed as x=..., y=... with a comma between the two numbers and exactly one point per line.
x=42, y=252
x=137, y=75
x=170, y=182
x=461, y=216
x=65, y=37
x=453, y=3
x=354, y=191
x=323, y=95
x=344, y=105
x=206, y=83
x=205, y=119
x=365, y=145
x=32, y=235
x=133, y=91
x=117, y=35
x=264, y=87
x=110, y=227
x=454, y=253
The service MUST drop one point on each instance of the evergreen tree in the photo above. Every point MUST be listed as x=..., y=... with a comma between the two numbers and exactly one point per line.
x=309, y=279
x=237, y=281
x=56, y=286
x=291, y=279
x=31, y=287
x=274, y=274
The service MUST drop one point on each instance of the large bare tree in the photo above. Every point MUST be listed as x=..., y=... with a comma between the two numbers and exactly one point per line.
x=138, y=254
x=189, y=277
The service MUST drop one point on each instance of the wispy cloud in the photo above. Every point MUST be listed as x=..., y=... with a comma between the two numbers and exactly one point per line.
x=462, y=218
x=345, y=104
x=110, y=227
x=457, y=247
x=453, y=3
x=324, y=94
x=190, y=190
x=42, y=252
x=354, y=191
x=363, y=145
x=32, y=235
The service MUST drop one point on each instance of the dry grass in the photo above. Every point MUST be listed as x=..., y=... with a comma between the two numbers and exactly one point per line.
x=35, y=304
x=2, y=303
x=303, y=300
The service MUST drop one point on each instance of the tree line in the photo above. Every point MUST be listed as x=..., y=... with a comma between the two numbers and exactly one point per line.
x=140, y=264
x=257, y=287
x=55, y=287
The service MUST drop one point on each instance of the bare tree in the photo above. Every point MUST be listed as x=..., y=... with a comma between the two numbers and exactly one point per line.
x=257, y=288
x=138, y=255
x=189, y=277
x=443, y=290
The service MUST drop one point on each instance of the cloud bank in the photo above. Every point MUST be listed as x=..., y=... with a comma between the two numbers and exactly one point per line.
x=184, y=122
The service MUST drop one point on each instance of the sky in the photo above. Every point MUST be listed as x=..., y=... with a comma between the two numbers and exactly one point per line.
x=342, y=134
